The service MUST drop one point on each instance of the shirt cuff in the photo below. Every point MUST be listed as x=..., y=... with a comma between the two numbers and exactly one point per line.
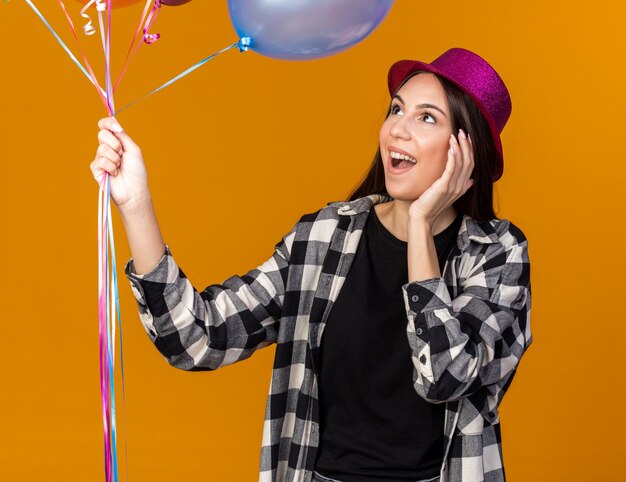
x=142, y=284
x=427, y=295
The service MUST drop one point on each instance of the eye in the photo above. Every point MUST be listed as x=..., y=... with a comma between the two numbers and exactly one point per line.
x=427, y=114
x=395, y=109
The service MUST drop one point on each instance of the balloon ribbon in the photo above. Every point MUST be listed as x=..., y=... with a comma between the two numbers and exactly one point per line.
x=243, y=45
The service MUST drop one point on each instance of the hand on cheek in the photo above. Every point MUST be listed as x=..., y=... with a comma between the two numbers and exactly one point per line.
x=452, y=184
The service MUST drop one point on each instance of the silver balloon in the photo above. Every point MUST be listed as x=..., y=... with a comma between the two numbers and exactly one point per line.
x=306, y=29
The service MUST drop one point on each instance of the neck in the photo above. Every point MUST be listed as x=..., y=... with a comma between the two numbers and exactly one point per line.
x=397, y=214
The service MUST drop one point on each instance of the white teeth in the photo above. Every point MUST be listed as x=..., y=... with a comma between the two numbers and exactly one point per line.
x=397, y=155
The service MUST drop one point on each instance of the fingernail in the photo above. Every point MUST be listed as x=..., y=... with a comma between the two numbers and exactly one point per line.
x=469, y=138
x=462, y=134
x=452, y=149
x=117, y=128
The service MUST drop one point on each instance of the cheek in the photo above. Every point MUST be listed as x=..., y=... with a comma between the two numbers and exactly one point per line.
x=383, y=134
x=437, y=151
x=434, y=159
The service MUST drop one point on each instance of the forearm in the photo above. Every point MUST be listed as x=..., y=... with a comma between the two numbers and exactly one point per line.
x=143, y=234
x=421, y=252
x=224, y=324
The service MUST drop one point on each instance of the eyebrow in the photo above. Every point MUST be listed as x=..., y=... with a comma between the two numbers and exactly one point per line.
x=432, y=106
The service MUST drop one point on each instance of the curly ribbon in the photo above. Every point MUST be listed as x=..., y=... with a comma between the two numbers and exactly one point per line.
x=243, y=45
x=101, y=22
x=150, y=38
x=89, y=29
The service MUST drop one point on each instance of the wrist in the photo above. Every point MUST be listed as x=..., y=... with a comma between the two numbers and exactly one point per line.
x=419, y=223
x=136, y=204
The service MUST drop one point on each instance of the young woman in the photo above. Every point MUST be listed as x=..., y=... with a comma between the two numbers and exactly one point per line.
x=421, y=292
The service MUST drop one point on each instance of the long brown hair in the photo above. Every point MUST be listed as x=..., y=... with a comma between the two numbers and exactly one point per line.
x=477, y=201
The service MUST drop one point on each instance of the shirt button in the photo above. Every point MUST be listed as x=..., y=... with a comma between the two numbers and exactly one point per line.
x=418, y=331
x=415, y=298
x=423, y=359
x=491, y=414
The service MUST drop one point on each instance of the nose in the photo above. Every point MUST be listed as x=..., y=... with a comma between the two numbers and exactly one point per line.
x=400, y=129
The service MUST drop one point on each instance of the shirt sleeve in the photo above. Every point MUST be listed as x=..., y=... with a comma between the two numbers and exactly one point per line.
x=477, y=339
x=224, y=323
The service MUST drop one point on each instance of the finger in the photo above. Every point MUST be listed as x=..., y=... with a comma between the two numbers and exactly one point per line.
x=106, y=137
x=467, y=161
x=458, y=162
x=107, y=152
x=449, y=170
x=101, y=165
x=111, y=124
x=471, y=181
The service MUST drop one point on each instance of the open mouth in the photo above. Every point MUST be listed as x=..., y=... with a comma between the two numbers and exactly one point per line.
x=400, y=162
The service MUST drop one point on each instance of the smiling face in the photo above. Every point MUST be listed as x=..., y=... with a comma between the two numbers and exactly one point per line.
x=419, y=126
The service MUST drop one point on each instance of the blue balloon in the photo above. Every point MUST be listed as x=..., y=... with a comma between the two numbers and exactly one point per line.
x=306, y=29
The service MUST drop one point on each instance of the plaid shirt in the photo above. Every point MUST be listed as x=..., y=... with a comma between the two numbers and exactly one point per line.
x=467, y=331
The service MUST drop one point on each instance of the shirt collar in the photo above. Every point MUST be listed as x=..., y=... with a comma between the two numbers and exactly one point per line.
x=470, y=230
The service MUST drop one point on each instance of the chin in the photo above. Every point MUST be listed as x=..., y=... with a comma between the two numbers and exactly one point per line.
x=400, y=194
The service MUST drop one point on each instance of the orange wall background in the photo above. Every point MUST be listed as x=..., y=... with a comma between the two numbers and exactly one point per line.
x=236, y=153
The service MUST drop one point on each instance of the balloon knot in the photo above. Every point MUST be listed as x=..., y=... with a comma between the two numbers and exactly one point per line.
x=244, y=44
x=150, y=38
